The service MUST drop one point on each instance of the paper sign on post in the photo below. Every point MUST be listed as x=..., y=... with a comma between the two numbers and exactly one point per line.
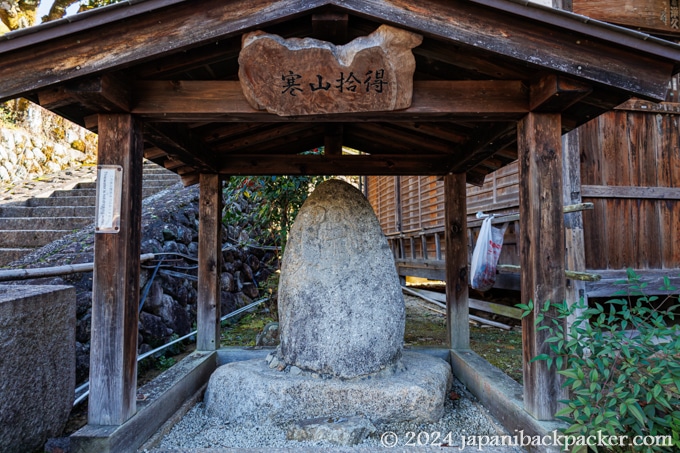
x=109, y=189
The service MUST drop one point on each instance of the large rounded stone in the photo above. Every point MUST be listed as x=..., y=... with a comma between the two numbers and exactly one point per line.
x=341, y=308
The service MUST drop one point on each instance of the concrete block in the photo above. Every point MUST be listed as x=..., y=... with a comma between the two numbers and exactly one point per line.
x=37, y=364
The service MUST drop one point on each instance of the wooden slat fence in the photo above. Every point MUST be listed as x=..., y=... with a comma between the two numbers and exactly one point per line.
x=630, y=171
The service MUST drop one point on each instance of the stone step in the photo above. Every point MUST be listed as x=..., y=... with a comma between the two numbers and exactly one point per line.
x=152, y=181
x=74, y=193
x=7, y=255
x=43, y=223
x=62, y=201
x=47, y=211
x=31, y=238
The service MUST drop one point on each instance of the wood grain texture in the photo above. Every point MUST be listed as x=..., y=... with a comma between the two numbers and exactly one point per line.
x=115, y=295
x=432, y=100
x=456, y=256
x=541, y=250
x=501, y=32
x=651, y=15
x=209, y=263
x=100, y=47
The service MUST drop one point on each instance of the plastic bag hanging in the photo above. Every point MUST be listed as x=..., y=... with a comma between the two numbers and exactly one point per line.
x=485, y=256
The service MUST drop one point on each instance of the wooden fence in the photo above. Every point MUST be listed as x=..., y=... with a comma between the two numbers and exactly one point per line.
x=630, y=171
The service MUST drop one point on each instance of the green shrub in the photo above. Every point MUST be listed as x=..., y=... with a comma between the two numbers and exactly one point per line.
x=274, y=203
x=621, y=364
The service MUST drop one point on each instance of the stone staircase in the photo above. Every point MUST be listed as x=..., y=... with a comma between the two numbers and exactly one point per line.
x=36, y=221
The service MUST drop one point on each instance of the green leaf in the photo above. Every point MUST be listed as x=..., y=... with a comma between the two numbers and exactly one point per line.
x=635, y=410
x=540, y=357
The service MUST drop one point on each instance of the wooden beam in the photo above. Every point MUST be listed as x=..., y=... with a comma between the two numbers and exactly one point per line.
x=555, y=93
x=647, y=193
x=332, y=140
x=541, y=250
x=115, y=293
x=54, y=98
x=540, y=38
x=330, y=165
x=84, y=47
x=432, y=101
x=209, y=263
x=106, y=93
x=330, y=26
x=455, y=219
x=180, y=142
x=286, y=138
x=484, y=143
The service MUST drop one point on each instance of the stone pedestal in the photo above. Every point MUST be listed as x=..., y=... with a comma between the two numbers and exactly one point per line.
x=252, y=391
x=37, y=365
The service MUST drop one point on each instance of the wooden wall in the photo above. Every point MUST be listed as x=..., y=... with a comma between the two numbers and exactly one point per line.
x=630, y=170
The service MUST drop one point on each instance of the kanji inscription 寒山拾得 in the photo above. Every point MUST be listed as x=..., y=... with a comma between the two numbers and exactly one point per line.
x=307, y=76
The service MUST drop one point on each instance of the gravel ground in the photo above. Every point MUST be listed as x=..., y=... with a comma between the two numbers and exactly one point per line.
x=463, y=417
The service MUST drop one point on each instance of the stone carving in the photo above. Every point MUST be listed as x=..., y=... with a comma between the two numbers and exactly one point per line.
x=307, y=76
x=340, y=302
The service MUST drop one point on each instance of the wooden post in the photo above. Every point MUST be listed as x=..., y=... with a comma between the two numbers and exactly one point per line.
x=541, y=249
x=455, y=221
x=209, y=263
x=573, y=221
x=115, y=294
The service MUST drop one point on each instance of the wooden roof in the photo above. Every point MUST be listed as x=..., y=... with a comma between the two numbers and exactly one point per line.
x=483, y=65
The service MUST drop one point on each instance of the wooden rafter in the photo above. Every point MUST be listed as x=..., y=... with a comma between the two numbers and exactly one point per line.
x=485, y=142
x=179, y=142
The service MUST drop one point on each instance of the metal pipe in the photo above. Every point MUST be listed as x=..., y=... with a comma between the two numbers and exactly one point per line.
x=86, y=385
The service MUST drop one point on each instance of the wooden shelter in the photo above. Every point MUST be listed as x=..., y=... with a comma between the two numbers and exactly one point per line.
x=495, y=80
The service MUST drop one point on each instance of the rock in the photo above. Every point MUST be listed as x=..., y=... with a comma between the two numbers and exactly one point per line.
x=173, y=315
x=341, y=309
x=343, y=431
x=170, y=247
x=371, y=73
x=246, y=273
x=250, y=290
x=269, y=336
x=152, y=328
x=151, y=246
x=169, y=232
x=227, y=282
x=83, y=328
x=253, y=262
x=245, y=391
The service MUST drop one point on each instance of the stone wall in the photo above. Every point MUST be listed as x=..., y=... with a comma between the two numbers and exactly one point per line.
x=34, y=141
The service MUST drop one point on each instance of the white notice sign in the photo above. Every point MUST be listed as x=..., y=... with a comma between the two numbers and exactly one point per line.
x=109, y=188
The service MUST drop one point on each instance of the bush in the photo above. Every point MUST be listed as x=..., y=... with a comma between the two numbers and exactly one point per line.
x=275, y=202
x=621, y=364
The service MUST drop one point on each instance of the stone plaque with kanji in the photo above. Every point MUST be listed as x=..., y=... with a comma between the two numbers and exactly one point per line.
x=310, y=77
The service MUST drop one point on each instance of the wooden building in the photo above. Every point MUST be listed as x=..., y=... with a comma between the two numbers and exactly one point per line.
x=626, y=164
x=495, y=80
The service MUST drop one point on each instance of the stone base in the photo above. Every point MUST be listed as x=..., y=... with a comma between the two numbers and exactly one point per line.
x=250, y=390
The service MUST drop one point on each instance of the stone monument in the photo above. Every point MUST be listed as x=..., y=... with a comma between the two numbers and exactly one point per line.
x=341, y=325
